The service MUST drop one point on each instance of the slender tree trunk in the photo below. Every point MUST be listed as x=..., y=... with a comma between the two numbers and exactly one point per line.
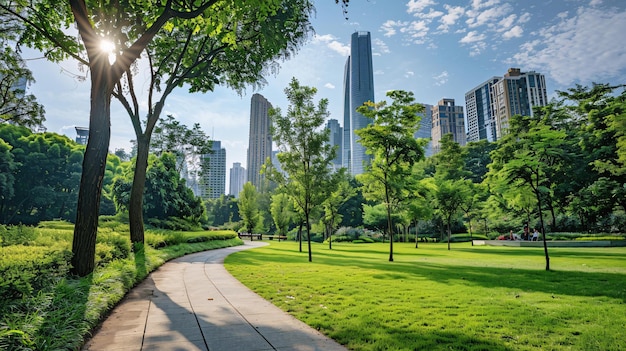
x=135, y=209
x=389, y=227
x=94, y=164
x=300, y=235
x=308, y=235
x=543, y=229
x=417, y=222
x=449, y=232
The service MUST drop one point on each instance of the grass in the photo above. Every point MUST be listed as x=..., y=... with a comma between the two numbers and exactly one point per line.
x=60, y=315
x=469, y=298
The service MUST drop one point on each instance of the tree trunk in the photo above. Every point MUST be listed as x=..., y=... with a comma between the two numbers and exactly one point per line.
x=300, y=235
x=449, y=231
x=308, y=236
x=417, y=222
x=94, y=164
x=389, y=227
x=135, y=209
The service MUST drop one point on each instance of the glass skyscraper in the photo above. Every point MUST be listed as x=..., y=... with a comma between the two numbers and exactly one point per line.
x=260, y=138
x=358, y=88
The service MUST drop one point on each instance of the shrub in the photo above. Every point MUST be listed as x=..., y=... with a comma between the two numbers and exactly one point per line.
x=17, y=235
x=25, y=269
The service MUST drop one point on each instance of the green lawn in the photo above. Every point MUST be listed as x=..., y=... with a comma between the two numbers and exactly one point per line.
x=469, y=298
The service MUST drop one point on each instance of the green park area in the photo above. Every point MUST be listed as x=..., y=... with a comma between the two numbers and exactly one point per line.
x=429, y=298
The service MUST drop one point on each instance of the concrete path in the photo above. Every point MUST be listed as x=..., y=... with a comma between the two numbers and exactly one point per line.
x=193, y=303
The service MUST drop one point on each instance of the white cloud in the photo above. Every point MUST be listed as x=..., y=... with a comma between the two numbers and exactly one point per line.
x=487, y=17
x=441, y=78
x=329, y=86
x=581, y=48
x=449, y=19
x=432, y=14
x=389, y=27
x=380, y=46
x=515, y=32
x=417, y=30
x=379, y=72
x=507, y=22
x=472, y=37
x=480, y=4
x=414, y=6
x=331, y=42
x=409, y=74
x=595, y=2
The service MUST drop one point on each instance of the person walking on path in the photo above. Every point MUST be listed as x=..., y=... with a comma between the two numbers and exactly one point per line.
x=193, y=303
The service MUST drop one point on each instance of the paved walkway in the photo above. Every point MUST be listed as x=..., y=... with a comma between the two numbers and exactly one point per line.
x=193, y=303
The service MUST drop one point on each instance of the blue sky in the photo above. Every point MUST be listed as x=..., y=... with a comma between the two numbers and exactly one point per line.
x=433, y=48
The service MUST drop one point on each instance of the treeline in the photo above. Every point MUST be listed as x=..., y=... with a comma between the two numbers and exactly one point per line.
x=40, y=176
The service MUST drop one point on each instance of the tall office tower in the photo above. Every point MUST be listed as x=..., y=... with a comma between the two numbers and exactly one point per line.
x=359, y=85
x=447, y=119
x=213, y=184
x=260, y=140
x=481, y=124
x=335, y=140
x=425, y=128
x=345, y=148
x=516, y=94
x=237, y=179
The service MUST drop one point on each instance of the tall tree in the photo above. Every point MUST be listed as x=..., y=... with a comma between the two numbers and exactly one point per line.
x=281, y=210
x=389, y=138
x=304, y=152
x=529, y=157
x=337, y=194
x=249, y=207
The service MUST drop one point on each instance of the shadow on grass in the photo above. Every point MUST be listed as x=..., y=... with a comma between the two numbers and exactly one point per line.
x=573, y=283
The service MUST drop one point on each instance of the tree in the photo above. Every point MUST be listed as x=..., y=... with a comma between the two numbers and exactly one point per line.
x=338, y=193
x=389, y=138
x=281, y=210
x=202, y=43
x=449, y=197
x=16, y=106
x=304, y=152
x=529, y=157
x=249, y=208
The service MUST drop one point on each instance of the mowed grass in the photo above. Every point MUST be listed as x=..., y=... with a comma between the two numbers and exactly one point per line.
x=469, y=298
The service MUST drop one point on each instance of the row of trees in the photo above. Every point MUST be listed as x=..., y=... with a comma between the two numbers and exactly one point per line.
x=198, y=43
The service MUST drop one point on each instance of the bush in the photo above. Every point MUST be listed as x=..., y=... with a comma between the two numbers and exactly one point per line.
x=17, y=235
x=25, y=269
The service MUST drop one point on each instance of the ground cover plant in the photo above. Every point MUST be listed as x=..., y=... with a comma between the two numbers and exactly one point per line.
x=469, y=298
x=44, y=308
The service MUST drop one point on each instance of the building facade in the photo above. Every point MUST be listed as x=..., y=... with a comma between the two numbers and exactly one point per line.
x=481, y=124
x=516, y=94
x=425, y=128
x=237, y=179
x=212, y=185
x=335, y=140
x=260, y=138
x=358, y=88
x=447, y=119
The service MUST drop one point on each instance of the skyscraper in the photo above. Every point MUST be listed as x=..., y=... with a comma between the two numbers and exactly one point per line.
x=447, y=119
x=213, y=184
x=425, y=128
x=481, y=124
x=358, y=88
x=336, y=137
x=237, y=179
x=516, y=94
x=260, y=139
x=345, y=142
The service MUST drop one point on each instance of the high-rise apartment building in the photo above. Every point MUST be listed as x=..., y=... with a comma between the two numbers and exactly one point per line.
x=447, y=119
x=516, y=94
x=213, y=184
x=260, y=138
x=358, y=88
x=481, y=124
x=490, y=105
x=237, y=179
x=335, y=140
x=82, y=135
x=425, y=128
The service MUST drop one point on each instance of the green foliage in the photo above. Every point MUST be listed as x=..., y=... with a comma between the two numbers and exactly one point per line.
x=44, y=308
x=17, y=235
x=249, y=207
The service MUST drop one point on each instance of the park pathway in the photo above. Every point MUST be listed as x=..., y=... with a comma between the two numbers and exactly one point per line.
x=193, y=303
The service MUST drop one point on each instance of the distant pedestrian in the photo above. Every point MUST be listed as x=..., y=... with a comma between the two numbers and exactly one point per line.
x=526, y=235
x=535, y=235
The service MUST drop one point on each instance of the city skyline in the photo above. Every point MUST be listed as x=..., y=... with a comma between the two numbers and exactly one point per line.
x=434, y=49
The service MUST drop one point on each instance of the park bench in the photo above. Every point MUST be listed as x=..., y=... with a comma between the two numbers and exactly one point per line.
x=251, y=236
x=279, y=237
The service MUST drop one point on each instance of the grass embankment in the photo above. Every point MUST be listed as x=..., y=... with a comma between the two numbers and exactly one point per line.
x=469, y=298
x=43, y=308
